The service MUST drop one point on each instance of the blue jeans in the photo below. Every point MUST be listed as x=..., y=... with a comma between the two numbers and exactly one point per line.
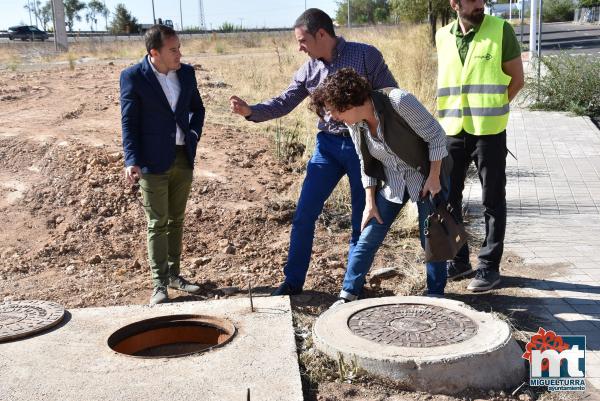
x=370, y=240
x=334, y=157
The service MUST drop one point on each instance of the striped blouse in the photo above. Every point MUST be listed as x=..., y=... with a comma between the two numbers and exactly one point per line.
x=400, y=177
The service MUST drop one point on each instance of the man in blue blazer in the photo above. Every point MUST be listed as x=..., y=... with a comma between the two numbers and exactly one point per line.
x=162, y=117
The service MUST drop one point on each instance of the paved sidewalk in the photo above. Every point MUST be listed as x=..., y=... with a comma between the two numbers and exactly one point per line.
x=553, y=197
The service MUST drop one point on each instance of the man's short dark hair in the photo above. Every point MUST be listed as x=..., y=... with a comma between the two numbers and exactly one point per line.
x=156, y=35
x=314, y=19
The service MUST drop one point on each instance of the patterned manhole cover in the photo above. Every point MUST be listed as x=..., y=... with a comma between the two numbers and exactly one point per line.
x=412, y=325
x=23, y=318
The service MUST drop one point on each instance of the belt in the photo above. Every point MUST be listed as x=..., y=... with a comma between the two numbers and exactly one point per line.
x=179, y=147
x=344, y=134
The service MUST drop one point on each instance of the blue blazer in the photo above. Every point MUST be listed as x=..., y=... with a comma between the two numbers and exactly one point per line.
x=148, y=123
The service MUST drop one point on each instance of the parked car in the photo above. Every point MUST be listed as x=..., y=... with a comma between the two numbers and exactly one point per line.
x=25, y=32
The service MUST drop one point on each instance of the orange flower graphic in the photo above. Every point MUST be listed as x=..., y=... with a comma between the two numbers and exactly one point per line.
x=542, y=341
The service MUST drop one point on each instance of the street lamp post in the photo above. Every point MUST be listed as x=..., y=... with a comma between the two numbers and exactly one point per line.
x=533, y=29
x=153, y=15
x=539, y=46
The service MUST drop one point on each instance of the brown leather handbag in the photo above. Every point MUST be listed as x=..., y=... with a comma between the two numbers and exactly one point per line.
x=444, y=234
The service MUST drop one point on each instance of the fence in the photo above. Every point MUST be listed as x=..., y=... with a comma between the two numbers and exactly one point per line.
x=588, y=15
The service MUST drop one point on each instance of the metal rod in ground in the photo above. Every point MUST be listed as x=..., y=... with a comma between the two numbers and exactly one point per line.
x=514, y=392
x=248, y=395
x=250, y=295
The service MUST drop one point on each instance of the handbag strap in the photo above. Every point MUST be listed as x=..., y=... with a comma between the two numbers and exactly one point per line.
x=431, y=202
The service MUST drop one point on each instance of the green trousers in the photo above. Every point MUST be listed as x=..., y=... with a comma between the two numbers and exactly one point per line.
x=165, y=196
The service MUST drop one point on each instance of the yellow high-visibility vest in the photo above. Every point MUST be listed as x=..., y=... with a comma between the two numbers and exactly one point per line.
x=473, y=97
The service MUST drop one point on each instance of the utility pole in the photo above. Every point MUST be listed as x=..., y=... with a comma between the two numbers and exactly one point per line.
x=60, y=31
x=153, y=15
x=349, y=14
x=202, y=21
x=304, y=5
x=180, y=15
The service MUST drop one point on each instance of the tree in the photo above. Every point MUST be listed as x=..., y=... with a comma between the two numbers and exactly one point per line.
x=419, y=10
x=46, y=14
x=95, y=8
x=362, y=11
x=123, y=22
x=588, y=3
x=34, y=7
x=72, y=10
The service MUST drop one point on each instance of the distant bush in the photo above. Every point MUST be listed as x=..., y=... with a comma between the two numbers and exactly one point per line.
x=194, y=28
x=227, y=27
x=569, y=83
x=558, y=10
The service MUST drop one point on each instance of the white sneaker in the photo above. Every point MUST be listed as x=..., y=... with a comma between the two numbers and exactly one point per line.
x=159, y=295
x=339, y=302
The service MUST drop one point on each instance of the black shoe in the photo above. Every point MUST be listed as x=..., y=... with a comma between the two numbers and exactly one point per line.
x=484, y=280
x=457, y=270
x=286, y=289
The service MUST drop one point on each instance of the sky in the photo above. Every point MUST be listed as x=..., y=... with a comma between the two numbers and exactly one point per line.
x=248, y=13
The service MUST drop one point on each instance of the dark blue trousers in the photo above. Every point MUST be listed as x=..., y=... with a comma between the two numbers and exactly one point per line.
x=334, y=157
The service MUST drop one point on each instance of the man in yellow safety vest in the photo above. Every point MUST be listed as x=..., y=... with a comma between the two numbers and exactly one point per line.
x=479, y=72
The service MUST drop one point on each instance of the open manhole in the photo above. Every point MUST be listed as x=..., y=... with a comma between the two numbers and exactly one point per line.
x=171, y=336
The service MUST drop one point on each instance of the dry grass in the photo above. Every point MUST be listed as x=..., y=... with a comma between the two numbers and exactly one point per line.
x=257, y=66
x=259, y=73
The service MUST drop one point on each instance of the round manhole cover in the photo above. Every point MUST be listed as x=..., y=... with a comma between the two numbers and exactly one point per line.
x=412, y=325
x=425, y=343
x=24, y=318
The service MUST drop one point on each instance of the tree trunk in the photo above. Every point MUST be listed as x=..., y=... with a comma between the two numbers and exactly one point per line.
x=432, y=20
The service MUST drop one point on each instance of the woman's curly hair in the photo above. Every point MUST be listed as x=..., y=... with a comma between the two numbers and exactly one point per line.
x=341, y=91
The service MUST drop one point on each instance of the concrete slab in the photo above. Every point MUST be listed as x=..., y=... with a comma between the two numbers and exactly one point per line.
x=73, y=361
x=428, y=344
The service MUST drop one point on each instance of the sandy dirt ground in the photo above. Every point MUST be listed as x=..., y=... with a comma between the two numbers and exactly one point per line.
x=74, y=232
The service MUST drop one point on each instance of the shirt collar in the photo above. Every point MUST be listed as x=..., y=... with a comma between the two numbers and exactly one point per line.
x=458, y=32
x=156, y=72
x=337, y=50
x=339, y=47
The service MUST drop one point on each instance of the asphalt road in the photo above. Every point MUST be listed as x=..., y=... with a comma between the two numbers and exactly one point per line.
x=566, y=36
x=560, y=36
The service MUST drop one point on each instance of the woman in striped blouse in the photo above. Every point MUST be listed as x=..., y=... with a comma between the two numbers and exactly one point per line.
x=401, y=148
